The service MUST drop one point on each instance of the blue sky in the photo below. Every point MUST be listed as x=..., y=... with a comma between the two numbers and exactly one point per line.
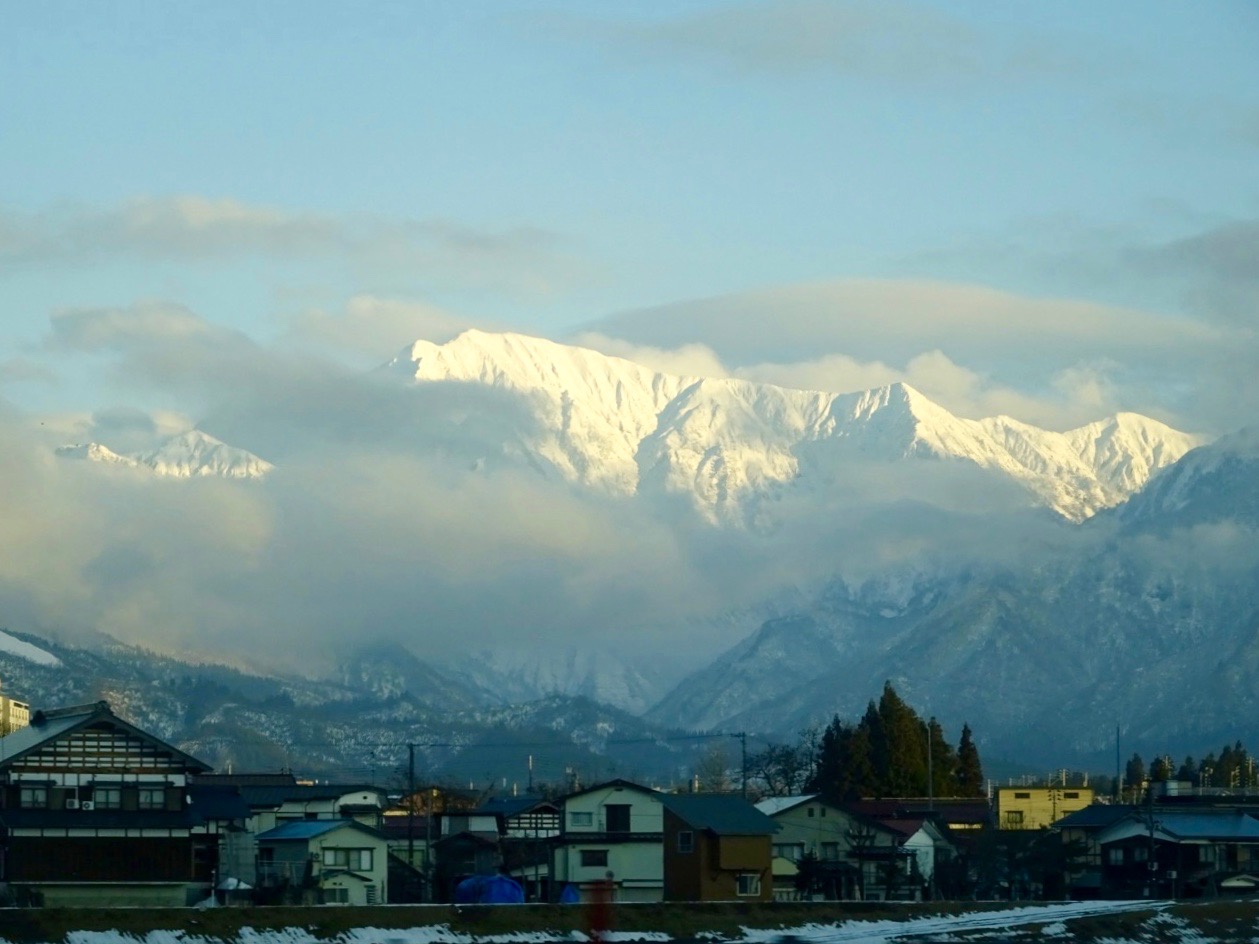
x=838, y=180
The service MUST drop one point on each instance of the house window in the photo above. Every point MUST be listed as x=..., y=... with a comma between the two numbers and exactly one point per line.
x=828, y=851
x=581, y=819
x=1140, y=854
x=107, y=798
x=792, y=851
x=336, y=896
x=1022, y=796
x=151, y=798
x=356, y=860
x=749, y=885
x=1071, y=795
x=1114, y=856
x=594, y=858
x=810, y=811
x=618, y=817
x=821, y=811
x=34, y=797
x=686, y=841
x=1014, y=818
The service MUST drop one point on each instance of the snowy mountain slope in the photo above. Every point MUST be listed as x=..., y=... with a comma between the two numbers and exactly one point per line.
x=189, y=455
x=608, y=423
x=1147, y=616
x=1213, y=483
x=26, y=650
x=520, y=677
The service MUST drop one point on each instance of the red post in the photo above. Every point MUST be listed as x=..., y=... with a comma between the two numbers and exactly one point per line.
x=599, y=913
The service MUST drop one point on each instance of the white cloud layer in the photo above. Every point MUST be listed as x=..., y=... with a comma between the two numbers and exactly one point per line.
x=1050, y=361
x=516, y=261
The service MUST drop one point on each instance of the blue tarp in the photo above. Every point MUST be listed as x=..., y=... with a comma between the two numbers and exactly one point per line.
x=570, y=895
x=489, y=890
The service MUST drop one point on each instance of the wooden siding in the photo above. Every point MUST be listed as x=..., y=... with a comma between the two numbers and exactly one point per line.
x=100, y=749
x=49, y=859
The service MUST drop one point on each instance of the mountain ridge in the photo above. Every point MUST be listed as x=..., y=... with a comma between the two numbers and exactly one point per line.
x=610, y=423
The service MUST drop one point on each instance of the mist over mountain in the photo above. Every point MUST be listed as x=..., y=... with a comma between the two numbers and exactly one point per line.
x=501, y=519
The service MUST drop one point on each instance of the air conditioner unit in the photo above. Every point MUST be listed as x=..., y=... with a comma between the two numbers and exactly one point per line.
x=87, y=805
x=72, y=803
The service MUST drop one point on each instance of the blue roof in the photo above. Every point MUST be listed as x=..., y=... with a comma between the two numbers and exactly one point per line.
x=305, y=829
x=1232, y=824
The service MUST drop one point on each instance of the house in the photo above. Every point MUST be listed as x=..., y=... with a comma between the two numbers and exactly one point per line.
x=717, y=847
x=1078, y=832
x=324, y=861
x=1038, y=807
x=275, y=799
x=1161, y=852
x=611, y=840
x=810, y=826
x=528, y=827
x=960, y=818
x=904, y=867
x=468, y=846
x=95, y=811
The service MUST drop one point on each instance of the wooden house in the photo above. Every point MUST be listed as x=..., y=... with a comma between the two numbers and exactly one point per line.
x=95, y=811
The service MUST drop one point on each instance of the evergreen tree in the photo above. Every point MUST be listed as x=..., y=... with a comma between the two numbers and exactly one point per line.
x=1161, y=769
x=1188, y=770
x=970, y=773
x=905, y=744
x=1134, y=773
x=943, y=762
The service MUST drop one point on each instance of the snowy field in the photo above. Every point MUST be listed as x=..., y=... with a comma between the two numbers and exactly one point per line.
x=1046, y=922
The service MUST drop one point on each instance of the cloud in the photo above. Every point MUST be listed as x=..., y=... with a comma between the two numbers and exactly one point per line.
x=899, y=44
x=144, y=324
x=898, y=319
x=520, y=260
x=1216, y=266
x=860, y=332
x=376, y=327
x=689, y=360
x=25, y=370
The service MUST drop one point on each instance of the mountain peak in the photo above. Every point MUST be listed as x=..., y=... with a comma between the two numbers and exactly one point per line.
x=617, y=425
x=192, y=453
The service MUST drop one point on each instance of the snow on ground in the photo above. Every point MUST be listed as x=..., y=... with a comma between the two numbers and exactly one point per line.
x=1052, y=918
x=25, y=650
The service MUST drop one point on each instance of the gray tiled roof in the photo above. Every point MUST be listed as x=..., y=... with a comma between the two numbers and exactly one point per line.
x=47, y=726
x=720, y=813
x=304, y=829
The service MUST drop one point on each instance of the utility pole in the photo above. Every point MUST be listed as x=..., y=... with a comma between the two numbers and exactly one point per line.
x=411, y=807
x=930, y=773
x=743, y=750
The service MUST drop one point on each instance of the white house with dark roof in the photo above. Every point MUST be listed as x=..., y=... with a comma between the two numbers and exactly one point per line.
x=612, y=837
x=324, y=861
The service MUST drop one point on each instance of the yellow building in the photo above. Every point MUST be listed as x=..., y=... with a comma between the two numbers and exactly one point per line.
x=13, y=714
x=1038, y=807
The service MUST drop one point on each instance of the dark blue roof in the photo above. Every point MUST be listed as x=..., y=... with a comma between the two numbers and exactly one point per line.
x=1095, y=815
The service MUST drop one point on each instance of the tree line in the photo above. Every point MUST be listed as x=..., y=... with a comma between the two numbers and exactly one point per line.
x=884, y=754
x=1232, y=768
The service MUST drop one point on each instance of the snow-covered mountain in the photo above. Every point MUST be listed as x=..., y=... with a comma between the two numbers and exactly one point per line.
x=1216, y=482
x=723, y=444
x=189, y=455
